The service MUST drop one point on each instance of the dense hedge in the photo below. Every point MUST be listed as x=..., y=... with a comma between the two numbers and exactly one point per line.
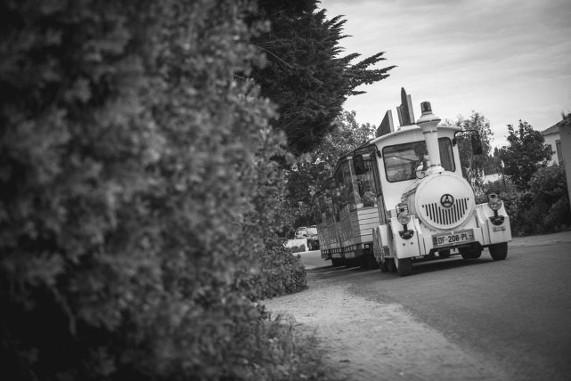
x=136, y=189
x=280, y=273
x=543, y=208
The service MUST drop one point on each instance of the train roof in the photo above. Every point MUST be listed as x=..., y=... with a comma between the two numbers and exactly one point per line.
x=388, y=137
x=405, y=130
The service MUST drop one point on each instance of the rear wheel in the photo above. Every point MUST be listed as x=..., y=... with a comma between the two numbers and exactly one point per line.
x=499, y=251
x=471, y=252
x=403, y=266
x=352, y=262
x=368, y=261
x=337, y=262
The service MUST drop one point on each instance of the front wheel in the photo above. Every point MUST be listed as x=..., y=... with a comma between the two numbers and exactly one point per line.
x=390, y=263
x=368, y=261
x=404, y=266
x=383, y=265
x=499, y=251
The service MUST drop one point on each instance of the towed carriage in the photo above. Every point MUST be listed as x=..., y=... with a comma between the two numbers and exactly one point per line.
x=401, y=198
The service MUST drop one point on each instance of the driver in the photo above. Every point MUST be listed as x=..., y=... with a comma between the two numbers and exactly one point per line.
x=422, y=156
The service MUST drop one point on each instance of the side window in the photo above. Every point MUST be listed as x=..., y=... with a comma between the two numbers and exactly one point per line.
x=366, y=183
x=327, y=215
x=376, y=174
x=348, y=197
x=330, y=215
x=559, y=153
x=345, y=194
x=338, y=193
x=446, y=154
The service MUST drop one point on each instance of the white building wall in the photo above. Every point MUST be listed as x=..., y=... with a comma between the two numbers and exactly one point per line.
x=491, y=178
x=551, y=139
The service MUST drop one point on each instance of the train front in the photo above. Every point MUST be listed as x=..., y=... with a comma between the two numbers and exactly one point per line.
x=439, y=215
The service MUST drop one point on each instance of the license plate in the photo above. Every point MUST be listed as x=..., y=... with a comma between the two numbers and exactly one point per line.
x=453, y=239
x=336, y=255
x=499, y=229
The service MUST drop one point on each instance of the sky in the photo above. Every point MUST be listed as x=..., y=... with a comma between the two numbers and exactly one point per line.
x=506, y=59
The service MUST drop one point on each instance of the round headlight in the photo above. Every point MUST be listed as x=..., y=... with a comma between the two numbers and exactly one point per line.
x=403, y=219
x=494, y=201
x=402, y=214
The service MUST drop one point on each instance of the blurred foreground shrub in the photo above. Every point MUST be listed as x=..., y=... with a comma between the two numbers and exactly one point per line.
x=136, y=188
x=281, y=273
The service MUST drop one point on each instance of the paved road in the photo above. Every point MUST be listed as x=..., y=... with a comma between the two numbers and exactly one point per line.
x=515, y=314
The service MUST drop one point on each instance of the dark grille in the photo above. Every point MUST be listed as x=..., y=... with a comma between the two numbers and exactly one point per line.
x=446, y=216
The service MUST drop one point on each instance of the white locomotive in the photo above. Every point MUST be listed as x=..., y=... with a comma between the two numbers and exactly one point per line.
x=424, y=208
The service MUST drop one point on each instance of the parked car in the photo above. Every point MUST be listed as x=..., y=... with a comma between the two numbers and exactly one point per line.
x=309, y=233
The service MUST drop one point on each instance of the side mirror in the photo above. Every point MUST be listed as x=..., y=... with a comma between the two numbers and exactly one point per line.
x=419, y=173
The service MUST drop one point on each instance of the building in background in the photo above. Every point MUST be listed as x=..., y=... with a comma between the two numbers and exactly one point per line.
x=565, y=145
x=559, y=138
x=552, y=137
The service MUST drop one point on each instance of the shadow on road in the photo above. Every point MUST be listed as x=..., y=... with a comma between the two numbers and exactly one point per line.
x=447, y=264
x=339, y=272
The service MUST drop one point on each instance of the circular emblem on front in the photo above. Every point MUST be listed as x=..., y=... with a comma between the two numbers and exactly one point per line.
x=447, y=200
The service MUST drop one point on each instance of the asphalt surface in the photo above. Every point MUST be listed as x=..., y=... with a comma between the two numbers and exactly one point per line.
x=514, y=314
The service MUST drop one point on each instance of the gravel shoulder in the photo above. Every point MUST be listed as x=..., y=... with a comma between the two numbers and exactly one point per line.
x=367, y=336
x=368, y=340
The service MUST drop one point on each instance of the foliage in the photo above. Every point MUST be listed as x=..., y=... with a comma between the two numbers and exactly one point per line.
x=312, y=171
x=502, y=185
x=306, y=76
x=544, y=208
x=525, y=154
x=281, y=273
x=475, y=167
x=136, y=189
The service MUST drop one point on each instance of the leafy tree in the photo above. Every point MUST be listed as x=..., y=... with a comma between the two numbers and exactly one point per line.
x=306, y=76
x=313, y=170
x=474, y=166
x=525, y=154
x=544, y=207
x=494, y=165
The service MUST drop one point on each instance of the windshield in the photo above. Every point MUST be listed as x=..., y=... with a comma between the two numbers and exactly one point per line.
x=401, y=160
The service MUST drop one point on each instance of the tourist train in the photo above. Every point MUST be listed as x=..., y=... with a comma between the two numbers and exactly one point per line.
x=401, y=198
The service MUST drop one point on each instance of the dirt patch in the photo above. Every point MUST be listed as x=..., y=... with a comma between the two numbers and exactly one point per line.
x=366, y=340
